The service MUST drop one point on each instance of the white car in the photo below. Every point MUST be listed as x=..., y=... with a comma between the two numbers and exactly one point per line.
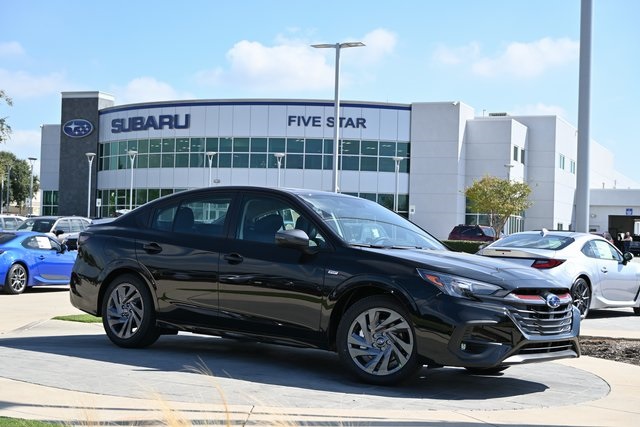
x=10, y=222
x=600, y=276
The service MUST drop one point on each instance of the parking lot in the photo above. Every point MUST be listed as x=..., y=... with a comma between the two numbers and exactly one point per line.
x=207, y=378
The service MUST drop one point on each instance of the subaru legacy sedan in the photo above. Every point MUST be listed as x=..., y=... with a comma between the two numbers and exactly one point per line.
x=316, y=269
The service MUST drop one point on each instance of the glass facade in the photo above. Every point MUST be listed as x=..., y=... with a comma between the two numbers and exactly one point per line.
x=246, y=152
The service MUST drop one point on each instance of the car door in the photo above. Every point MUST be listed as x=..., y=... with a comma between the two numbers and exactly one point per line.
x=267, y=289
x=618, y=281
x=180, y=249
x=49, y=263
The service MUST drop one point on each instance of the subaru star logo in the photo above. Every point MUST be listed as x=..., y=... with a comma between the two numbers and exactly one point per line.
x=553, y=301
x=77, y=128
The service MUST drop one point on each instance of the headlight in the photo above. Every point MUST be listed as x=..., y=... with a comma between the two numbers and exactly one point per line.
x=457, y=286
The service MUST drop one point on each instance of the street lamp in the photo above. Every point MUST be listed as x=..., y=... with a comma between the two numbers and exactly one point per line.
x=31, y=160
x=210, y=155
x=90, y=157
x=8, y=187
x=336, y=112
x=397, y=160
x=132, y=155
x=279, y=157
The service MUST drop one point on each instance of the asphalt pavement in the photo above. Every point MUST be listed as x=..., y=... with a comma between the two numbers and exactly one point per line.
x=71, y=373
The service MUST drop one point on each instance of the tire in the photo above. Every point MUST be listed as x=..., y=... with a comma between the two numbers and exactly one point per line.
x=486, y=371
x=128, y=315
x=387, y=356
x=636, y=311
x=16, y=280
x=581, y=294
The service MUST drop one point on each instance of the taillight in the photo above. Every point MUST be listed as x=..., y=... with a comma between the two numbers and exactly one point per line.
x=547, y=263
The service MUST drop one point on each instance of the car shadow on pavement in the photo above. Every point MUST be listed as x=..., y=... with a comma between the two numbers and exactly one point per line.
x=257, y=363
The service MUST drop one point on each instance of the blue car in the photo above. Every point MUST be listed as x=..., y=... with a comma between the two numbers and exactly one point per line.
x=31, y=259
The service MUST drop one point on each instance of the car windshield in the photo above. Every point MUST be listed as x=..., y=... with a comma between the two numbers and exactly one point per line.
x=40, y=225
x=363, y=222
x=553, y=242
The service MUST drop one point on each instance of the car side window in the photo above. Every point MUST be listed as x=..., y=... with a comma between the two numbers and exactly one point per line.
x=77, y=225
x=603, y=250
x=262, y=217
x=41, y=243
x=203, y=216
x=63, y=225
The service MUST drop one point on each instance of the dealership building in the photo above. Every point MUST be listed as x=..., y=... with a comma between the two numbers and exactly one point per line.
x=417, y=158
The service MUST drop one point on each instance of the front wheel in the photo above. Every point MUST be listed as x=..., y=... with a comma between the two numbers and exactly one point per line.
x=377, y=342
x=16, y=280
x=128, y=313
x=581, y=294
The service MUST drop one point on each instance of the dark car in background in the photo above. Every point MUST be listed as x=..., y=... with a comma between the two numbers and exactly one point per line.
x=341, y=273
x=478, y=233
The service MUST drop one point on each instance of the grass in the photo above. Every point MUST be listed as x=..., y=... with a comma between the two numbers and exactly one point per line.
x=82, y=318
x=12, y=422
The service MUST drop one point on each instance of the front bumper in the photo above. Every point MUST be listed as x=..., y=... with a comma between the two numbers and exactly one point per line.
x=486, y=334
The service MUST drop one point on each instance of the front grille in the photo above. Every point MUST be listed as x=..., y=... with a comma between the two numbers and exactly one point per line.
x=535, y=317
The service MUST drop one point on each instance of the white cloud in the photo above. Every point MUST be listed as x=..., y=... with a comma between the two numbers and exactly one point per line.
x=529, y=59
x=20, y=84
x=8, y=49
x=24, y=144
x=540, y=109
x=521, y=60
x=146, y=89
x=291, y=65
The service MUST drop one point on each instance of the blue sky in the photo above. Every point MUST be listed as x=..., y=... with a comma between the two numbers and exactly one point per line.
x=519, y=57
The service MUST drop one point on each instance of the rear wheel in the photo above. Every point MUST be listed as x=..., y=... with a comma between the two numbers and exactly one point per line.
x=376, y=341
x=16, y=280
x=128, y=314
x=581, y=294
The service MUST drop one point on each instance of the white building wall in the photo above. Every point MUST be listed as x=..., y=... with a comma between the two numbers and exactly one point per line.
x=436, y=187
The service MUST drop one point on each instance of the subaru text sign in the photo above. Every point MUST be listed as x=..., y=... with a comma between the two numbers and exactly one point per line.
x=163, y=121
x=77, y=128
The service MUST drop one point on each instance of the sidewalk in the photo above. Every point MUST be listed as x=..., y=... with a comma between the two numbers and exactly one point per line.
x=69, y=372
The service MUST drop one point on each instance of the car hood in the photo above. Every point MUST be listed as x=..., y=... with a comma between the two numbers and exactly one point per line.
x=503, y=273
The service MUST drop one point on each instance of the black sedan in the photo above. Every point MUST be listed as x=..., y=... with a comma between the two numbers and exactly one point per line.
x=316, y=269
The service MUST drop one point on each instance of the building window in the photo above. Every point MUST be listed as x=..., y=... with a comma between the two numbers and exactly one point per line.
x=516, y=149
x=561, y=161
x=49, y=203
x=522, y=156
x=572, y=167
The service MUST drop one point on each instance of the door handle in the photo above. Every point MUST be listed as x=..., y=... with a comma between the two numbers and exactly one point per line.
x=604, y=269
x=152, y=248
x=234, y=258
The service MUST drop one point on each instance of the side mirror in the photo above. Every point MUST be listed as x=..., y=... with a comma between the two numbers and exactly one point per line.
x=627, y=256
x=58, y=232
x=295, y=239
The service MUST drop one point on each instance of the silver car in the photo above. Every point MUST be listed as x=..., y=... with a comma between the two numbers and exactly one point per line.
x=600, y=275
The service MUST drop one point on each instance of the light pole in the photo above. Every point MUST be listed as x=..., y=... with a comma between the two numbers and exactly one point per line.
x=90, y=157
x=336, y=112
x=397, y=160
x=279, y=157
x=8, y=187
x=210, y=155
x=132, y=155
x=31, y=160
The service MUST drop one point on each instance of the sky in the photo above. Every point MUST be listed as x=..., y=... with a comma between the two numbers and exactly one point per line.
x=518, y=57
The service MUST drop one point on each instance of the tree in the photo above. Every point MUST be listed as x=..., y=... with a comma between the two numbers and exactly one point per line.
x=20, y=181
x=498, y=198
x=5, y=129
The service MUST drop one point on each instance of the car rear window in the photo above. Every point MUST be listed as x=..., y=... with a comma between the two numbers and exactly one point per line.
x=535, y=241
